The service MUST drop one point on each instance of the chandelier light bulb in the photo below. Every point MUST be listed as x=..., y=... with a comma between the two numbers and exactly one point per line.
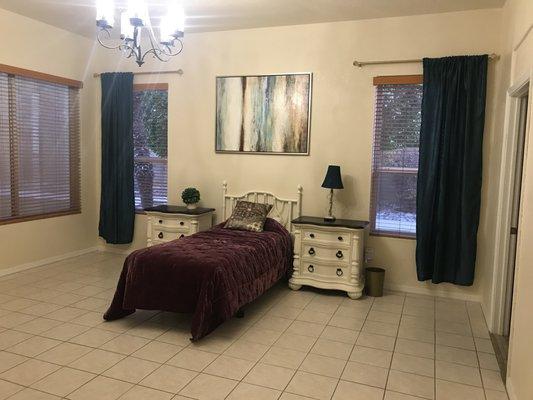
x=172, y=24
x=138, y=13
x=177, y=13
x=126, y=29
x=105, y=13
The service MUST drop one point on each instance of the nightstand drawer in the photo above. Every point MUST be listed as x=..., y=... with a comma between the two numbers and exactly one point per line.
x=329, y=253
x=166, y=222
x=331, y=273
x=183, y=224
x=167, y=236
x=326, y=236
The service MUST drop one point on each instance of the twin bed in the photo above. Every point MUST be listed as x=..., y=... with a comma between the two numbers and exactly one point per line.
x=213, y=273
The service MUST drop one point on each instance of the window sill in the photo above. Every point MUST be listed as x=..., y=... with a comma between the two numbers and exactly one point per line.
x=393, y=235
x=37, y=217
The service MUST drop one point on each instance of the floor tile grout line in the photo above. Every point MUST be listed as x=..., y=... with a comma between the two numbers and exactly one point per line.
x=393, y=351
x=353, y=347
x=479, y=363
x=311, y=349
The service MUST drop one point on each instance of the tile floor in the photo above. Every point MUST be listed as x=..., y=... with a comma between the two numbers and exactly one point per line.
x=290, y=345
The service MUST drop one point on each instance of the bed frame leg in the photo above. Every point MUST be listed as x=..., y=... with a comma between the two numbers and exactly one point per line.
x=240, y=313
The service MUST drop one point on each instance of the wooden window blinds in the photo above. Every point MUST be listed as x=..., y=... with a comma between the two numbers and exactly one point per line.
x=395, y=155
x=39, y=145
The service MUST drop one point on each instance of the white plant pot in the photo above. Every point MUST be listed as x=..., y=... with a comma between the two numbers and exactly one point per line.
x=192, y=206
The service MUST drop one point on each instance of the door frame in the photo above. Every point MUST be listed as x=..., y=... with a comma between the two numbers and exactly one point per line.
x=505, y=195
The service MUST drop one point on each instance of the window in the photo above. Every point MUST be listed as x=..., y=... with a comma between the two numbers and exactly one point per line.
x=150, y=115
x=395, y=155
x=39, y=145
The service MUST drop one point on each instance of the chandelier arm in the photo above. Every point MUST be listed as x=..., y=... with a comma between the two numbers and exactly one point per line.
x=127, y=49
x=108, y=37
x=178, y=51
x=156, y=53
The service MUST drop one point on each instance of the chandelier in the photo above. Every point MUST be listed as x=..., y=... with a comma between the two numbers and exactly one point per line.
x=135, y=24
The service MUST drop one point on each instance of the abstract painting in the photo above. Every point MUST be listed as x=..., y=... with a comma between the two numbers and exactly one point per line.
x=263, y=114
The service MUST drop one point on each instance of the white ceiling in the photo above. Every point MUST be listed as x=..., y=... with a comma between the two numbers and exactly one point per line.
x=212, y=15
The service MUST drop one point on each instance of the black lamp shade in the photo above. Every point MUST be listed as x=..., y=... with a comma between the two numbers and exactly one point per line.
x=333, y=179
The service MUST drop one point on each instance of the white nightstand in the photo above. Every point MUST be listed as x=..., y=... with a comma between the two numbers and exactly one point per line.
x=166, y=223
x=329, y=255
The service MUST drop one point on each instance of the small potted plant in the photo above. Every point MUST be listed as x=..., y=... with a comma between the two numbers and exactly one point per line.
x=191, y=197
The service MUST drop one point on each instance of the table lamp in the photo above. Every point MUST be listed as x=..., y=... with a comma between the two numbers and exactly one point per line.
x=333, y=180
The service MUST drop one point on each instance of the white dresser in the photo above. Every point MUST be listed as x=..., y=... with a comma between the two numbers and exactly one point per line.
x=166, y=223
x=329, y=255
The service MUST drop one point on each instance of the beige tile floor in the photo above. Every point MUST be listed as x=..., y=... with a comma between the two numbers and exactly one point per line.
x=290, y=345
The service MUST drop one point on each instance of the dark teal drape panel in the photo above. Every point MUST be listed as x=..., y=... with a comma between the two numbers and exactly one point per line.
x=117, y=203
x=449, y=172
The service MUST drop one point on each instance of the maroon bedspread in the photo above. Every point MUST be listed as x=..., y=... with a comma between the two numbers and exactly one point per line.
x=211, y=274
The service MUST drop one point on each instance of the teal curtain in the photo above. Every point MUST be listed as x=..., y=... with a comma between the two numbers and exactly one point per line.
x=450, y=167
x=117, y=202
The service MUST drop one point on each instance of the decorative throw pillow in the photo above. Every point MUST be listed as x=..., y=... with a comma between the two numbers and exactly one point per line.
x=248, y=216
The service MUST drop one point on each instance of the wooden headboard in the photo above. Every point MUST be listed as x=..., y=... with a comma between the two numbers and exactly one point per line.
x=283, y=210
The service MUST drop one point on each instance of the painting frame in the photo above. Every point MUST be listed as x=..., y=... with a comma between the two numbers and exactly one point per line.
x=308, y=109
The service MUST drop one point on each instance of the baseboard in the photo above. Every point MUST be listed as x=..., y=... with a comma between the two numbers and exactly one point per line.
x=510, y=389
x=434, y=292
x=111, y=249
x=50, y=260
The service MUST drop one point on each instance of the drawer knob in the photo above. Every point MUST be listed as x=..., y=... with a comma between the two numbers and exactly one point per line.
x=339, y=254
x=182, y=223
x=340, y=238
x=339, y=272
x=160, y=221
x=160, y=236
x=312, y=235
x=311, y=268
x=182, y=236
x=312, y=251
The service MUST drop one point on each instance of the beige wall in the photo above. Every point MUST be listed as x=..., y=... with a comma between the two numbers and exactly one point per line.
x=33, y=45
x=518, y=19
x=342, y=115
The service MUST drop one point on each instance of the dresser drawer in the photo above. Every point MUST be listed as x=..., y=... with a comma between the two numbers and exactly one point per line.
x=175, y=223
x=182, y=224
x=325, y=236
x=330, y=253
x=166, y=235
x=331, y=273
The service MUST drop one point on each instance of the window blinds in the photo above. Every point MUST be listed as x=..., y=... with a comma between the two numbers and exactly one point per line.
x=395, y=157
x=150, y=120
x=39, y=148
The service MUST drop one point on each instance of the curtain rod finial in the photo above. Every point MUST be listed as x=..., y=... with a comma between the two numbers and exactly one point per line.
x=357, y=64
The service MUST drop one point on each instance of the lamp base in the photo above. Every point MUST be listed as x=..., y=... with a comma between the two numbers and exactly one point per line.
x=330, y=218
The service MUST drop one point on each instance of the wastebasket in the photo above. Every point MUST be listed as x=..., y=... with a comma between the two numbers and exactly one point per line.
x=374, y=281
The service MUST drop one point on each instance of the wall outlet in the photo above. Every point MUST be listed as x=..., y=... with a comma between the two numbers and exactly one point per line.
x=369, y=254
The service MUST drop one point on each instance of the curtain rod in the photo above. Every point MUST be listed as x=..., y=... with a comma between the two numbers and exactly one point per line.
x=179, y=72
x=361, y=64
